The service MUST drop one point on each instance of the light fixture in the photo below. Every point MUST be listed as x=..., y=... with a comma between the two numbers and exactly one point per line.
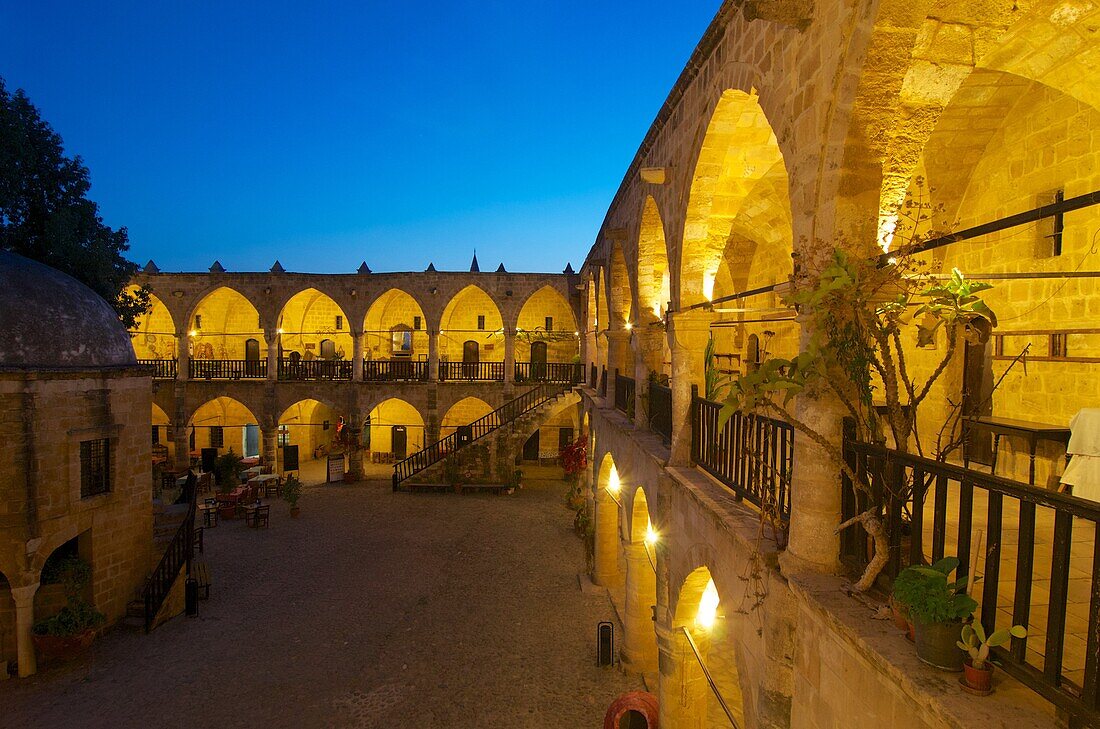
x=708, y=606
x=613, y=484
x=628, y=326
x=576, y=334
x=651, y=535
x=279, y=330
x=193, y=333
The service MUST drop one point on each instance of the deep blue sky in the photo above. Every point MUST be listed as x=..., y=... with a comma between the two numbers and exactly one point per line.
x=327, y=133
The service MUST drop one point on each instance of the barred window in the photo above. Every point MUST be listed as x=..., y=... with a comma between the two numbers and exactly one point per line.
x=156, y=435
x=416, y=322
x=549, y=323
x=339, y=322
x=95, y=467
x=284, y=436
x=480, y=322
x=217, y=436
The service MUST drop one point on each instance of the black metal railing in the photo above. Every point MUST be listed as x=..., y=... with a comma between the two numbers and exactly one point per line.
x=751, y=454
x=227, y=369
x=660, y=410
x=176, y=557
x=625, y=388
x=602, y=389
x=565, y=372
x=395, y=370
x=481, y=427
x=163, y=369
x=593, y=376
x=471, y=371
x=1056, y=539
x=315, y=369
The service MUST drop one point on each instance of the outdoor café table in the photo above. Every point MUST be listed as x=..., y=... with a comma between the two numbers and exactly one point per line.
x=209, y=514
x=266, y=481
x=250, y=461
x=250, y=473
x=1031, y=432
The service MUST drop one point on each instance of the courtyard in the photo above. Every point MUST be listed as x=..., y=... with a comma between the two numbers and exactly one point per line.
x=371, y=610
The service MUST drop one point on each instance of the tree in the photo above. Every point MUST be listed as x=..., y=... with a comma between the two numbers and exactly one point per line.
x=45, y=213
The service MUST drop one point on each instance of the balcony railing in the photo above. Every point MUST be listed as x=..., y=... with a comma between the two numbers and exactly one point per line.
x=624, y=394
x=751, y=454
x=395, y=370
x=566, y=373
x=602, y=390
x=471, y=371
x=593, y=376
x=315, y=369
x=163, y=369
x=1039, y=561
x=660, y=410
x=227, y=369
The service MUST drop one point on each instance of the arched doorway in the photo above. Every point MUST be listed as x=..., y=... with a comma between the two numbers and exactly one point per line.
x=608, y=488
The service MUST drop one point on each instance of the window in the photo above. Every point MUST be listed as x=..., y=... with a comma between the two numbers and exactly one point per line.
x=401, y=341
x=549, y=323
x=416, y=323
x=198, y=321
x=95, y=467
x=325, y=424
x=339, y=322
x=481, y=321
x=217, y=436
x=284, y=436
x=1059, y=345
x=156, y=435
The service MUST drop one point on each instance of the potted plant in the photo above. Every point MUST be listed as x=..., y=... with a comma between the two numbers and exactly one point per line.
x=906, y=587
x=74, y=627
x=292, y=491
x=938, y=607
x=977, y=668
x=227, y=471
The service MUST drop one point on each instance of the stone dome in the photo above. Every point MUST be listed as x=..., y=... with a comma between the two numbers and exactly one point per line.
x=49, y=320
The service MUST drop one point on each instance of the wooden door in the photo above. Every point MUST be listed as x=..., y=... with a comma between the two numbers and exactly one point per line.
x=538, y=360
x=328, y=349
x=400, y=442
x=531, y=448
x=471, y=354
x=565, y=437
x=977, y=398
x=252, y=357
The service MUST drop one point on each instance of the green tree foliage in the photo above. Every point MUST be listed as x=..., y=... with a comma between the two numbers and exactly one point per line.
x=45, y=213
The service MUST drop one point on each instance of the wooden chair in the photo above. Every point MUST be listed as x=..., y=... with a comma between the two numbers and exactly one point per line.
x=259, y=516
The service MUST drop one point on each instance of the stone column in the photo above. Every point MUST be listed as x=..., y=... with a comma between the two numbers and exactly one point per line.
x=355, y=457
x=183, y=355
x=682, y=689
x=646, y=341
x=606, y=571
x=182, y=442
x=357, y=355
x=619, y=358
x=269, y=445
x=24, y=620
x=687, y=338
x=272, y=337
x=433, y=355
x=509, y=356
x=639, y=649
x=815, y=500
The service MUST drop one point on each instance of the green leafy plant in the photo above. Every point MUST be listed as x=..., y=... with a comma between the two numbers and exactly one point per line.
x=292, y=490
x=977, y=646
x=77, y=616
x=227, y=469
x=933, y=597
x=715, y=382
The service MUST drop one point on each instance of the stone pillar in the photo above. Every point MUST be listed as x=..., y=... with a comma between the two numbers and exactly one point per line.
x=639, y=651
x=646, y=341
x=619, y=358
x=606, y=571
x=509, y=356
x=269, y=445
x=815, y=500
x=433, y=355
x=687, y=338
x=272, y=337
x=183, y=355
x=682, y=689
x=24, y=620
x=357, y=355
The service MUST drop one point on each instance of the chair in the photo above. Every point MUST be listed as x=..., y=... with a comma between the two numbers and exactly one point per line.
x=271, y=487
x=210, y=515
x=258, y=516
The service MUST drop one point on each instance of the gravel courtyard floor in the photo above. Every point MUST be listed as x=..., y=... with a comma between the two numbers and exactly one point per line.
x=372, y=610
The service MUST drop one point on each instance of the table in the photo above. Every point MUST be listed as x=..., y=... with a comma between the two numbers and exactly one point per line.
x=209, y=514
x=1031, y=432
x=250, y=461
x=266, y=481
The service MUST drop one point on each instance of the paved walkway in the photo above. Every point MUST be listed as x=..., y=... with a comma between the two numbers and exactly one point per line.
x=371, y=610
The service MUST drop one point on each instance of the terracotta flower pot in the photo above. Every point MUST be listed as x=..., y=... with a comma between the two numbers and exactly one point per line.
x=900, y=615
x=63, y=647
x=978, y=681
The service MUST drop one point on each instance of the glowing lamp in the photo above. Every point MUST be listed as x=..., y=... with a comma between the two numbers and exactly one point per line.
x=193, y=333
x=708, y=607
x=708, y=285
x=651, y=535
x=628, y=326
x=279, y=330
x=613, y=484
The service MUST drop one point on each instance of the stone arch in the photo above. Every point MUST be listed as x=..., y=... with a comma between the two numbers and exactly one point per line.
x=620, y=297
x=395, y=310
x=303, y=423
x=603, y=318
x=387, y=414
x=220, y=323
x=608, y=488
x=653, y=275
x=463, y=412
x=640, y=639
x=228, y=414
x=700, y=612
x=471, y=314
x=309, y=317
x=563, y=415
x=561, y=339
x=739, y=149
x=154, y=332
x=640, y=525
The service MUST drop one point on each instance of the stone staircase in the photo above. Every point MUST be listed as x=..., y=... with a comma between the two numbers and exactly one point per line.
x=510, y=418
x=166, y=522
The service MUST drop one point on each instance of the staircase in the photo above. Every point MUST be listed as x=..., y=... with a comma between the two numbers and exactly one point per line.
x=529, y=402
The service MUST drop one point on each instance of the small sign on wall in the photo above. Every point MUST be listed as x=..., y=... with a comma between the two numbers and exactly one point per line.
x=335, y=468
